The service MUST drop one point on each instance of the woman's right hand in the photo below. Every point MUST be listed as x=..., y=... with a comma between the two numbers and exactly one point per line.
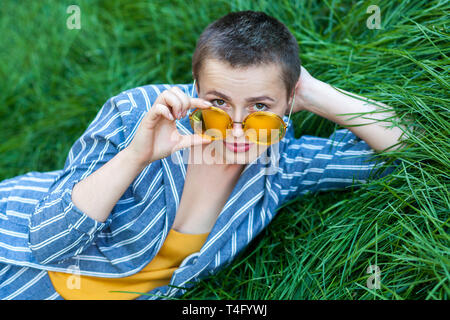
x=157, y=136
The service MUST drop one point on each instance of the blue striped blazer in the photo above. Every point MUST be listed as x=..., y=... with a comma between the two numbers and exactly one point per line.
x=41, y=228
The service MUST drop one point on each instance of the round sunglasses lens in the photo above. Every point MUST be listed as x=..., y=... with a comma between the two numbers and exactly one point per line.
x=210, y=122
x=264, y=129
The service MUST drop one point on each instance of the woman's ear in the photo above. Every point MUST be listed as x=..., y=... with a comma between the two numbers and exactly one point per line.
x=291, y=99
x=297, y=85
x=197, y=86
x=292, y=103
x=290, y=107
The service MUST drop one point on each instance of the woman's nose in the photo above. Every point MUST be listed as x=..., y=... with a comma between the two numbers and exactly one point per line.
x=237, y=129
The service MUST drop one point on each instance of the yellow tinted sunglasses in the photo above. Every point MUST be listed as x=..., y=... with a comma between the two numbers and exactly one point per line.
x=261, y=127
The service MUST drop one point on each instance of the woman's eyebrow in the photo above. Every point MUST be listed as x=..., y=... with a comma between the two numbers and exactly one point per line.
x=253, y=99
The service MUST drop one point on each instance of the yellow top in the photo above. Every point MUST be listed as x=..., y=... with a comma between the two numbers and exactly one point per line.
x=158, y=272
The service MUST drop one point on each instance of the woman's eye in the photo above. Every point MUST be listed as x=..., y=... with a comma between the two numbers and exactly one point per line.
x=218, y=102
x=260, y=107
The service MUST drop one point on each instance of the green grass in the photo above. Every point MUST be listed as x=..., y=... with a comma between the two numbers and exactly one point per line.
x=54, y=81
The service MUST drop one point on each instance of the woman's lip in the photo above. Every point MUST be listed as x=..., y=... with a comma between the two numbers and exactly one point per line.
x=238, y=143
x=237, y=147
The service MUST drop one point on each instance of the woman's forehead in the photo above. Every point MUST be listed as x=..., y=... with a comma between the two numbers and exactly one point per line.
x=261, y=80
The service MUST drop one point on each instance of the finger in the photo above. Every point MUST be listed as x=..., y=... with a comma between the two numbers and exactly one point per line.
x=156, y=111
x=183, y=98
x=199, y=103
x=191, y=140
x=171, y=100
x=179, y=107
x=182, y=106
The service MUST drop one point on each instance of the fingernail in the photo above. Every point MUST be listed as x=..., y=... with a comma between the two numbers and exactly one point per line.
x=207, y=103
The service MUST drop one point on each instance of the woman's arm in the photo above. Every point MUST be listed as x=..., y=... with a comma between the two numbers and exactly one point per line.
x=372, y=119
x=157, y=137
x=58, y=229
x=97, y=194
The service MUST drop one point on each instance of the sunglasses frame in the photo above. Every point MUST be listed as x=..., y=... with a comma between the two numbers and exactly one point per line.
x=231, y=122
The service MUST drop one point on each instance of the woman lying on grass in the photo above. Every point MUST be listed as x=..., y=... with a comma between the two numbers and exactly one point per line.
x=152, y=198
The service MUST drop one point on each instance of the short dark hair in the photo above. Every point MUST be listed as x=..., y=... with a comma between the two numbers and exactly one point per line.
x=249, y=38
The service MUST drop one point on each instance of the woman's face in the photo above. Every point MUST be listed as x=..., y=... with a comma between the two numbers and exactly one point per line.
x=239, y=92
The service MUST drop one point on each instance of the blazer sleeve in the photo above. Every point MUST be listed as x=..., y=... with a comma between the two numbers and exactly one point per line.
x=312, y=164
x=57, y=228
